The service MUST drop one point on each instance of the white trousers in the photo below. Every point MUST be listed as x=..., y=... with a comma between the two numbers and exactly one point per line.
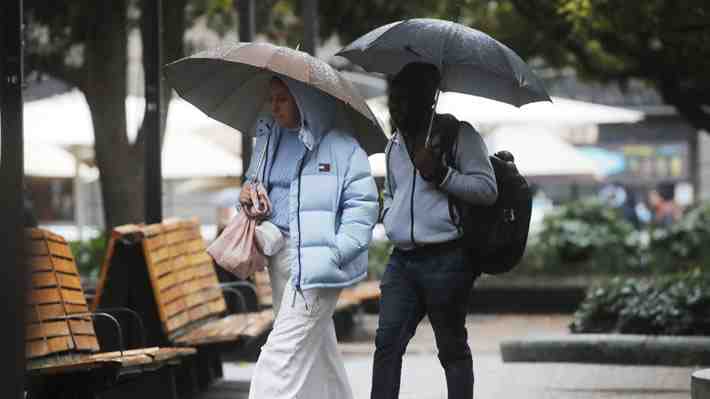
x=300, y=359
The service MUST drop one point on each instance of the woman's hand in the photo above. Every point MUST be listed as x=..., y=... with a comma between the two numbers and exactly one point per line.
x=245, y=196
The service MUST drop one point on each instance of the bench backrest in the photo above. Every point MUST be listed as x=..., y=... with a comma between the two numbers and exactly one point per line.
x=55, y=292
x=263, y=288
x=182, y=277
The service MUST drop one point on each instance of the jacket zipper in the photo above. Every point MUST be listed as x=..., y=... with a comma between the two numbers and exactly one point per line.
x=411, y=199
x=298, y=225
x=411, y=206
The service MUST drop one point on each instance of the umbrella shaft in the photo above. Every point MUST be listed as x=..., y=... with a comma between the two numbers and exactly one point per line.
x=431, y=119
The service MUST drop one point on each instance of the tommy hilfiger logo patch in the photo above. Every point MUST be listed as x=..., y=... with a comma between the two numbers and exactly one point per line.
x=324, y=167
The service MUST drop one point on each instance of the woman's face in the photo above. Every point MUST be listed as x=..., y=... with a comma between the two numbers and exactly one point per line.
x=283, y=106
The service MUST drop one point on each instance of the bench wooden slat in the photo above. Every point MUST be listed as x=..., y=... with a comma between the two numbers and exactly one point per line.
x=60, y=249
x=260, y=323
x=76, y=308
x=222, y=330
x=195, y=245
x=60, y=344
x=172, y=293
x=75, y=297
x=86, y=342
x=82, y=327
x=68, y=367
x=44, y=279
x=176, y=307
x=69, y=281
x=167, y=281
x=46, y=329
x=37, y=247
x=199, y=312
x=43, y=296
x=35, y=313
x=64, y=265
x=39, y=263
x=165, y=267
x=175, y=323
x=39, y=348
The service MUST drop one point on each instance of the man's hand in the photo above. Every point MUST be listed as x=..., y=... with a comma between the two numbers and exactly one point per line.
x=430, y=166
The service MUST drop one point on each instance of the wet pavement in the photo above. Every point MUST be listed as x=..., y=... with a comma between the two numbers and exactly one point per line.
x=423, y=377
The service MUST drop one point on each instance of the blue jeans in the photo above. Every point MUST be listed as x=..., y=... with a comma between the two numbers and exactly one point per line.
x=437, y=285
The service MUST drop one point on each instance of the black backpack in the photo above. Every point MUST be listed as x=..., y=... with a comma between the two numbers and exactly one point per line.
x=495, y=235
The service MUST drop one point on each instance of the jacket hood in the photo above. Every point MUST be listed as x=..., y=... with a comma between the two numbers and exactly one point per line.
x=318, y=111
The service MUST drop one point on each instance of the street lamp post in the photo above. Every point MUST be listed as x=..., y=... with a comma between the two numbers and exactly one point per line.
x=152, y=58
x=310, y=26
x=13, y=281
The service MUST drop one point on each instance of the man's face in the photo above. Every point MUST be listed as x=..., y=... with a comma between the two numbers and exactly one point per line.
x=410, y=105
x=283, y=106
x=398, y=103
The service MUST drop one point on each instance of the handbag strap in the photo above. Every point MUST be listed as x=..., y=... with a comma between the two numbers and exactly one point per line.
x=261, y=160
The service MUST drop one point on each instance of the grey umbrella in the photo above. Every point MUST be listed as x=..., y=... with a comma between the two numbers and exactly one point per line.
x=231, y=85
x=469, y=60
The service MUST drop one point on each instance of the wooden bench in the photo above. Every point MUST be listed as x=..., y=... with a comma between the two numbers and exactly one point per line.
x=62, y=350
x=164, y=272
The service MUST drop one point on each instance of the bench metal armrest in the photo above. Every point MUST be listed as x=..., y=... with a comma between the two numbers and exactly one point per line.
x=239, y=295
x=94, y=316
x=136, y=316
x=244, y=284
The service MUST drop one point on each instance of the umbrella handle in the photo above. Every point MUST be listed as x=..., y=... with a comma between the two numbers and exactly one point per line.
x=431, y=119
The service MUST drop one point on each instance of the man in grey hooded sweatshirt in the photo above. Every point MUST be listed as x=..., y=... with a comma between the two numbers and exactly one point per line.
x=428, y=273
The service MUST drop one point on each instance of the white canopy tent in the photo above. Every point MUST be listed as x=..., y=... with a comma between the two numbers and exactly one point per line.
x=59, y=133
x=64, y=121
x=487, y=114
x=539, y=152
x=47, y=160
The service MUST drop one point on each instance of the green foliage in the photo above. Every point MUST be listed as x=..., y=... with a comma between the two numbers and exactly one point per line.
x=676, y=305
x=685, y=242
x=89, y=255
x=377, y=257
x=585, y=235
x=659, y=41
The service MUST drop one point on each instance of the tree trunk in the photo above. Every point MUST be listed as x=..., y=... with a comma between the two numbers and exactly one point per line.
x=119, y=162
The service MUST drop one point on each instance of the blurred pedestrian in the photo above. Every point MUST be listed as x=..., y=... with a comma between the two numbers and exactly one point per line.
x=666, y=210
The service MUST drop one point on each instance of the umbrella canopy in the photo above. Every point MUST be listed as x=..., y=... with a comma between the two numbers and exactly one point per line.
x=469, y=60
x=541, y=153
x=231, y=85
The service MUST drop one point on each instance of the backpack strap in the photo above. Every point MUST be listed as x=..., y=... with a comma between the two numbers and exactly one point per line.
x=455, y=208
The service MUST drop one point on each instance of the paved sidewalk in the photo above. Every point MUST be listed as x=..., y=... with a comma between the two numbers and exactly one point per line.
x=423, y=377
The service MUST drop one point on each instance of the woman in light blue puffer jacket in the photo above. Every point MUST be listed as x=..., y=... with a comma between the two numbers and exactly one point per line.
x=325, y=202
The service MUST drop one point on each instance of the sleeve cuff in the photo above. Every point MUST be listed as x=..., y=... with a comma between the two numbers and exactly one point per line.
x=449, y=172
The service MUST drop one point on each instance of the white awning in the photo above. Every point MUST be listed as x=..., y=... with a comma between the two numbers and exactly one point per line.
x=539, y=152
x=479, y=111
x=64, y=121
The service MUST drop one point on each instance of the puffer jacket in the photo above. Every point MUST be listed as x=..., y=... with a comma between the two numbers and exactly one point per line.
x=333, y=197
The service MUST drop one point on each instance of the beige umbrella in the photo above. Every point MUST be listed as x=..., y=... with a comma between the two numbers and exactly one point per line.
x=231, y=85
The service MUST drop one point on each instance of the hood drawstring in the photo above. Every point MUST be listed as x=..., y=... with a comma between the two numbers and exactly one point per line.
x=298, y=290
